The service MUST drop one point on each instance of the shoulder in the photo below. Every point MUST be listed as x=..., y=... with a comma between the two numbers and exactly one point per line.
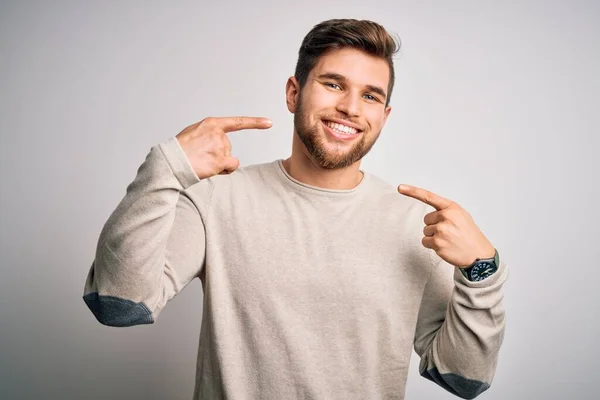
x=398, y=206
x=400, y=222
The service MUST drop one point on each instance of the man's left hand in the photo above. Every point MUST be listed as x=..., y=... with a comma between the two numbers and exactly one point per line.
x=450, y=230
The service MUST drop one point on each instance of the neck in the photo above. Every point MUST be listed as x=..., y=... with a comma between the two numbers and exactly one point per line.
x=301, y=167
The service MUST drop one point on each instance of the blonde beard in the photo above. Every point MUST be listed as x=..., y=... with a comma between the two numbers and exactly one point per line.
x=314, y=143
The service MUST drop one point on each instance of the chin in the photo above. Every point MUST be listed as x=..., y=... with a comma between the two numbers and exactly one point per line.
x=331, y=160
x=328, y=152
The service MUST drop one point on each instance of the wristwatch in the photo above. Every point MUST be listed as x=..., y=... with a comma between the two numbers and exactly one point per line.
x=481, y=268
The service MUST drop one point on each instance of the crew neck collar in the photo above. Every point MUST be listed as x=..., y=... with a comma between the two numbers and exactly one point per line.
x=295, y=184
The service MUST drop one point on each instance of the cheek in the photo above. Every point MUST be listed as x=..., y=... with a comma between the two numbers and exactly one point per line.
x=375, y=118
x=322, y=100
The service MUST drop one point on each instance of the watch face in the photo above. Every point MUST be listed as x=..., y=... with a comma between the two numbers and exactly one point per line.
x=481, y=271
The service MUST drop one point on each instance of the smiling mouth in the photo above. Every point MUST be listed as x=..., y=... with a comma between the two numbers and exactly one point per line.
x=341, y=128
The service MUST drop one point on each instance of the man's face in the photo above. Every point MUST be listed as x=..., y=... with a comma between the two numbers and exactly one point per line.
x=340, y=111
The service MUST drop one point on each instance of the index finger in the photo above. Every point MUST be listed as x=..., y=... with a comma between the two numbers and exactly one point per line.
x=230, y=124
x=427, y=197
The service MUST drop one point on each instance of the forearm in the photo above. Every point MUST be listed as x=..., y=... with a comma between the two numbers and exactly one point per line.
x=462, y=354
x=132, y=277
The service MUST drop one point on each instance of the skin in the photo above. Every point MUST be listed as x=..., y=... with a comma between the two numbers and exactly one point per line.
x=450, y=230
x=346, y=86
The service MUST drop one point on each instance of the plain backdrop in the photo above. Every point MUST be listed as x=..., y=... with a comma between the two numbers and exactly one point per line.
x=495, y=106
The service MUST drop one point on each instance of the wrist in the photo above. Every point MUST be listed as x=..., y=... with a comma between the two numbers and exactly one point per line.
x=482, y=268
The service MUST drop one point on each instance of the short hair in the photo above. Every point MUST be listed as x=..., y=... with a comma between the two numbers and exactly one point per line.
x=364, y=35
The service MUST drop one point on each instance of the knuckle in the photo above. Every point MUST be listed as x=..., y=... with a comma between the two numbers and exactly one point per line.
x=455, y=210
x=445, y=215
x=208, y=123
x=225, y=146
x=441, y=229
x=453, y=215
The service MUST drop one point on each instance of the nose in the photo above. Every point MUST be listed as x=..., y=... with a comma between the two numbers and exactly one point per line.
x=349, y=104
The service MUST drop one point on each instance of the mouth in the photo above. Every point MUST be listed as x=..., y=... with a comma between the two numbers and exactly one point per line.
x=341, y=131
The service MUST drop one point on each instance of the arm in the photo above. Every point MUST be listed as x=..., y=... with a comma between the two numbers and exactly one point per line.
x=460, y=329
x=151, y=246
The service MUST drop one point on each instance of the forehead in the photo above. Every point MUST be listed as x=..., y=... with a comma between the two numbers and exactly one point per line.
x=357, y=66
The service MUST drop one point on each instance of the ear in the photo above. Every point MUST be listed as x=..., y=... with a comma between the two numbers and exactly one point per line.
x=386, y=114
x=292, y=90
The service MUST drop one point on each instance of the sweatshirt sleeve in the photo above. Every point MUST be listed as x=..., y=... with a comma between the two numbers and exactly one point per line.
x=460, y=329
x=152, y=245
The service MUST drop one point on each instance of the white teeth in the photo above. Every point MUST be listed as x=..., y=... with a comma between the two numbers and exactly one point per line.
x=341, y=128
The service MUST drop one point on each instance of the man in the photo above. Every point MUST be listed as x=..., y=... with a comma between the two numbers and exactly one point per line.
x=319, y=279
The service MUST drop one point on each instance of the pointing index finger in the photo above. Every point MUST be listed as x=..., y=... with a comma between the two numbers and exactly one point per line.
x=230, y=124
x=427, y=197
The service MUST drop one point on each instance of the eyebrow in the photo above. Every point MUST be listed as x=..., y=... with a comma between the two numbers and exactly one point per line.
x=341, y=78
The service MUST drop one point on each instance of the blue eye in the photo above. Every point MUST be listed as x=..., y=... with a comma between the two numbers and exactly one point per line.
x=333, y=85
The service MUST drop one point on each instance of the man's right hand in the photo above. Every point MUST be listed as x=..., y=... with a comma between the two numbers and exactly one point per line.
x=207, y=146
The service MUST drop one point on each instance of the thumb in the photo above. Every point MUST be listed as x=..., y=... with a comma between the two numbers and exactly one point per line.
x=229, y=165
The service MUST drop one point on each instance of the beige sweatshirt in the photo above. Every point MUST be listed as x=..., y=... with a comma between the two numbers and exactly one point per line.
x=308, y=293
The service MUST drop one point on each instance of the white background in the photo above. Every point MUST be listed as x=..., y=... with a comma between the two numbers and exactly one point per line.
x=495, y=106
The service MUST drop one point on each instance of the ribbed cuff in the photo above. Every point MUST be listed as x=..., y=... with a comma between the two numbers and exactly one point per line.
x=179, y=163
